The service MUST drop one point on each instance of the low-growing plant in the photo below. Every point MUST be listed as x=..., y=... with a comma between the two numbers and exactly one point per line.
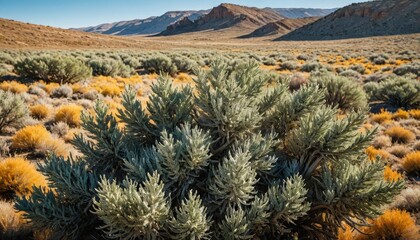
x=69, y=114
x=11, y=223
x=288, y=65
x=373, y=153
x=18, y=176
x=400, y=134
x=408, y=199
x=233, y=160
x=29, y=137
x=381, y=117
x=39, y=111
x=398, y=93
x=160, y=63
x=399, y=150
x=53, y=69
x=110, y=67
x=64, y=91
x=13, y=87
x=391, y=175
x=13, y=110
x=411, y=163
x=400, y=114
x=413, y=68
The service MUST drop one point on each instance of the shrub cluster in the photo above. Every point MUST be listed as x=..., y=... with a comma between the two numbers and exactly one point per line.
x=110, y=67
x=53, y=69
x=13, y=110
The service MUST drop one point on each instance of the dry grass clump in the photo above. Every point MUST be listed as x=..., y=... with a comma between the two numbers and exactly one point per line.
x=13, y=87
x=183, y=78
x=36, y=138
x=393, y=224
x=30, y=137
x=415, y=113
x=391, y=175
x=382, y=141
x=411, y=163
x=60, y=129
x=10, y=220
x=398, y=150
x=17, y=176
x=69, y=114
x=409, y=199
x=39, y=111
x=111, y=91
x=400, y=134
x=373, y=153
x=381, y=117
x=400, y=114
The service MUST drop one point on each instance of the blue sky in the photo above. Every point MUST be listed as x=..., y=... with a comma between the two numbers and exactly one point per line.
x=82, y=13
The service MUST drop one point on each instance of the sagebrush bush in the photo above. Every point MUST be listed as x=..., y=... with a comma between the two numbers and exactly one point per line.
x=69, y=114
x=398, y=93
x=411, y=163
x=400, y=134
x=110, y=67
x=64, y=91
x=13, y=110
x=18, y=176
x=160, y=63
x=232, y=160
x=341, y=92
x=413, y=68
x=53, y=69
x=288, y=65
x=39, y=111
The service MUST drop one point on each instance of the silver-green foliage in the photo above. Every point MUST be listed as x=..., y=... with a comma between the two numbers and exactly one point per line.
x=235, y=160
x=13, y=110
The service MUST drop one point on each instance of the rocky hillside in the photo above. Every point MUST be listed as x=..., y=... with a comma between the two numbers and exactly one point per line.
x=282, y=27
x=374, y=18
x=151, y=25
x=225, y=16
x=303, y=12
x=19, y=35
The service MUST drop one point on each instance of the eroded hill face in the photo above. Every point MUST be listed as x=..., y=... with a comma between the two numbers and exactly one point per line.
x=281, y=27
x=376, y=18
x=225, y=16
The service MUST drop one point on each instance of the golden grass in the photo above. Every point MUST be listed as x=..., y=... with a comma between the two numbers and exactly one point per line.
x=411, y=162
x=391, y=175
x=18, y=175
x=381, y=117
x=13, y=87
x=69, y=114
x=400, y=134
x=415, y=113
x=10, y=220
x=400, y=114
x=373, y=153
x=39, y=111
x=30, y=137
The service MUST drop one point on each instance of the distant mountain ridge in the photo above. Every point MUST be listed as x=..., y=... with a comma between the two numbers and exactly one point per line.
x=158, y=24
x=225, y=16
x=151, y=25
x=373, y=18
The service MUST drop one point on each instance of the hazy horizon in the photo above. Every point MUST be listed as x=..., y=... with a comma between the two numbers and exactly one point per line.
x=80, y=13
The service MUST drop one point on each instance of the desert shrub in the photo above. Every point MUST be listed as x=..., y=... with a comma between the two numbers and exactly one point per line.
x=302, y=57
x=341, y=92
x=6, y=58
x=393, y=224
x=183, y=78
x=269, y=62
x=60, y=129
x=400, y=114
x=39, y=111
x=350, y=74
x=69, y=114
x=399, y=150
x=411, y=163
x=13, y=87
x=358, y=68
x=413, y=68
x=232, y=160
x=110, y=67
x=53, y=69
x=184, y=64
x=29, y=137
x=381, y=117
x=13, y=110
x=111, y=90
x=297, y=81
x=160, y=63
x=400, y=134
x=382, y=141
x=415, y=113
x=35, y=90
x=379, y=61
x=313, y=66
x=11, y=223
x=288, y=65
x=409, y=199
x=63, y=91
x=373, y=153
x=18, y=176
x=399, y=93
x=371, y=88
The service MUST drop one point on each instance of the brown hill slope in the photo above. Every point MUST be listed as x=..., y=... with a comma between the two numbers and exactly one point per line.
x=225, y=16
x=281, y=27
x=374, y=18
x=14, y=34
